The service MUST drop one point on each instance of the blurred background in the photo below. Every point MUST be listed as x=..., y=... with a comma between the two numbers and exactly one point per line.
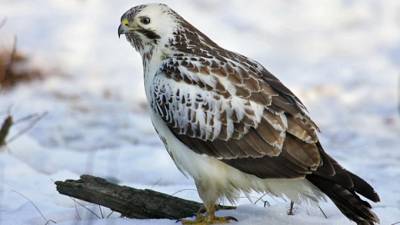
x=75, y=93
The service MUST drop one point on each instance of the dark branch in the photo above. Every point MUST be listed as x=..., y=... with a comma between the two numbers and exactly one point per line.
x=4, y=129
x=130, y=202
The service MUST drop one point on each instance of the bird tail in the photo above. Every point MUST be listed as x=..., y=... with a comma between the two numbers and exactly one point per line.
x=343, y=187
x=348, y=202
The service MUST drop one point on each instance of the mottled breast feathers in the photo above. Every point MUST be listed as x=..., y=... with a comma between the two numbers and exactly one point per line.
x=226, y=106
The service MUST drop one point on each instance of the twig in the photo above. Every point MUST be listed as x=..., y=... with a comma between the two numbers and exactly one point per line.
x=395, y=223
x=182, y=190
x=323, y=213
x=156, y=183
x=260, y=198
x=101, y=212
x=29, y=127
x=36, y=207
x=5, y=129
x=25, y=118
x=265, y=202
x=76, y=209
x=49, y=221
x=108, y=216
x=87, y=208
x=290, y=212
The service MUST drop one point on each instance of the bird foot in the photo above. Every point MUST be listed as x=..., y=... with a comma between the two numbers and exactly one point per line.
x=205, y=220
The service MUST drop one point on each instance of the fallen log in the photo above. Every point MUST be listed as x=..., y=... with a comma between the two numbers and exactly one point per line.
x=130, y=202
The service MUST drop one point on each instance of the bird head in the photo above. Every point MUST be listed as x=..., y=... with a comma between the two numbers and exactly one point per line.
x=148, y=25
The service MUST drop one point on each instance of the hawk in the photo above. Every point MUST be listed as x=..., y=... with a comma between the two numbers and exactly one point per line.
x=230, y=124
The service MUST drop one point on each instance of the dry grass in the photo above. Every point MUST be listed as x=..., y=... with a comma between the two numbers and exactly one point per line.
x=15, y=68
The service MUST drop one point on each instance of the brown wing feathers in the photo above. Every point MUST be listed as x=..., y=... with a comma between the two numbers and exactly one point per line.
x=285, y=138
x=249, y=155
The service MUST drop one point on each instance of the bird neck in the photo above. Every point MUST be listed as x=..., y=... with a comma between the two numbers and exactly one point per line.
x=152, y=56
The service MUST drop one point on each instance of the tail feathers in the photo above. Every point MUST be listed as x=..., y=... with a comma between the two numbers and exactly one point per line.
x=336, y=172
x=362, y=187
x=348, y=202
x=333, y=171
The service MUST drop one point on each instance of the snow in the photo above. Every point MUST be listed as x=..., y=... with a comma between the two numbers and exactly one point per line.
x=342, y=58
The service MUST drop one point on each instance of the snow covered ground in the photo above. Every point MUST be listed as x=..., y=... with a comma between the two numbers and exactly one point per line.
x=341, y=57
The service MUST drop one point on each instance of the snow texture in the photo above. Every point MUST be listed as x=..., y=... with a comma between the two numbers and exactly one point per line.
x=341, y=57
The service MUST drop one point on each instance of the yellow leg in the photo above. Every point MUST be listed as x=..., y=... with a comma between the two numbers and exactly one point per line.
x=209, y=219
x=199, y=220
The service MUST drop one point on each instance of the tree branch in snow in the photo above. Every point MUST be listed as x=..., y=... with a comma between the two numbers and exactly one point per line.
x=130, y=202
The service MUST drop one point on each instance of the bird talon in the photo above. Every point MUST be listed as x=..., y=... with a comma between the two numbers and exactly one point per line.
x=230, y=218
x=209, y=220
x=199, y=220
x=222, y=220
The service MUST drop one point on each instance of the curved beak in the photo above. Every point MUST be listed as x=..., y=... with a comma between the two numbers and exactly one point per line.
x=121, y=30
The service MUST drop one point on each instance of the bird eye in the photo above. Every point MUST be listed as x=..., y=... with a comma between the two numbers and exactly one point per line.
x=145, y=20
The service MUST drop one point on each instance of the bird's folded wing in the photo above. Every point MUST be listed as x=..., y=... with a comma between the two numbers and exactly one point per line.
x=238, y=113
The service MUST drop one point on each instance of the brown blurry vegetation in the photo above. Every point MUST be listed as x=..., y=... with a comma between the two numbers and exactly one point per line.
x=15, y=68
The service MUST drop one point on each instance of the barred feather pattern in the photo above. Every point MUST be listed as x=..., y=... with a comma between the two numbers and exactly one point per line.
x=203, y=114
x=210, y=94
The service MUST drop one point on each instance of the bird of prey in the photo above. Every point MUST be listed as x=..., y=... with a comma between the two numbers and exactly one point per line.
x=230, y=124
